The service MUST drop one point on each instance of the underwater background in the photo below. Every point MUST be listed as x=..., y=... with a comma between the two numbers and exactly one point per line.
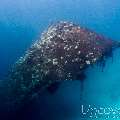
x=22, y=22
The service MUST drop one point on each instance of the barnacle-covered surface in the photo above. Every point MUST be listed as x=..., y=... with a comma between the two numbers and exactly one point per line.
x=64, y=51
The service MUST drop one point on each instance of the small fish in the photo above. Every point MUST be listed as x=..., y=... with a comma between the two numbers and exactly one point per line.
x=64, y=51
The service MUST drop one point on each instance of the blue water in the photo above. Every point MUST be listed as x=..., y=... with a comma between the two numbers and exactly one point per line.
x=21, y=23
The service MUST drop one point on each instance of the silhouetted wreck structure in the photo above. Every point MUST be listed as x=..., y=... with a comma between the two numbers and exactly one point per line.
x=62, y=53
